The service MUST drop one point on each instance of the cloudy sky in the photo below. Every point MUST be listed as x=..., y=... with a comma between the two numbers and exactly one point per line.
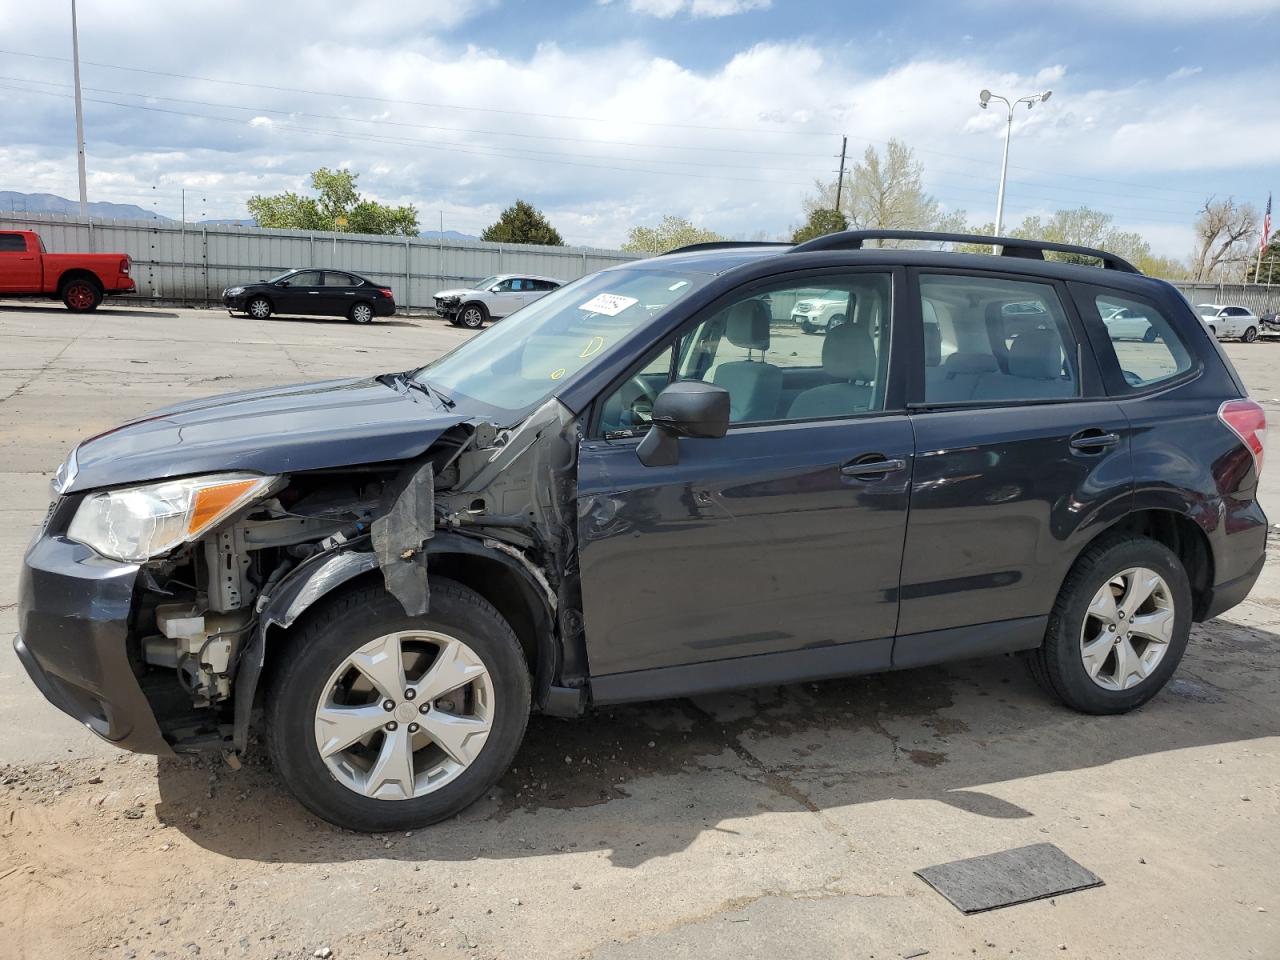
x=610, y=113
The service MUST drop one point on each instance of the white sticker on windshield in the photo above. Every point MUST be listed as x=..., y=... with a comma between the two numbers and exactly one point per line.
x=608, y=304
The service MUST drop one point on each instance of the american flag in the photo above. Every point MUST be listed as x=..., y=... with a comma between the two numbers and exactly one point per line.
x=1266, y=223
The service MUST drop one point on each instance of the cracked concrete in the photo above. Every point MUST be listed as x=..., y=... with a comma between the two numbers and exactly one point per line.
x=775, y=822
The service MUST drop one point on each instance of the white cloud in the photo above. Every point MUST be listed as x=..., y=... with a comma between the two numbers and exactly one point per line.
x=1183, y=72
x=699, y=9
x=1181, y=9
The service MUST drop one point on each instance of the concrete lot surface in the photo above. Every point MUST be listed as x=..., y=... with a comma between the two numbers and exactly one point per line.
x=783, y=822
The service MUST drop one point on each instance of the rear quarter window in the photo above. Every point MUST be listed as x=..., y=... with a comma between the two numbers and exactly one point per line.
x=13, y=243
x=1145, y=344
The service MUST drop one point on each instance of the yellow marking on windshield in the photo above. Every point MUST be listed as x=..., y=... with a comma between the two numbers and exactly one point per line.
x=594, y=346
x=557, y=374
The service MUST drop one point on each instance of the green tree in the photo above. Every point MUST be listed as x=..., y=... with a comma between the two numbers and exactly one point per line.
x=821, y=222
x=337, y=207
x=671, y=233
x=522, y=223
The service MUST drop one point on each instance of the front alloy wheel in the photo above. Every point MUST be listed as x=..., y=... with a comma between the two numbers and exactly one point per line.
x=404, y=715
x=259, y=308
x=377, y=720
x=472, y=317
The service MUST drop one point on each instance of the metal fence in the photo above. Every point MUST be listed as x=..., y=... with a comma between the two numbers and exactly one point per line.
x=1258, y=297
x=192, y=263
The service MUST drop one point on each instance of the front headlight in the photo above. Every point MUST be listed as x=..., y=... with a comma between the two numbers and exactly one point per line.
x=233, y=291
x=138, y=523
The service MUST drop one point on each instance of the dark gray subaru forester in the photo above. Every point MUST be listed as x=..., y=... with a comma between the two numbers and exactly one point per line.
x=654, y=483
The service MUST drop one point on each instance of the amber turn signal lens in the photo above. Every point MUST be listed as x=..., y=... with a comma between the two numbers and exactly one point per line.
x=211, y=504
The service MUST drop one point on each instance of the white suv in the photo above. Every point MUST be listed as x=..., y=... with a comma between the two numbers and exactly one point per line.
x=492, y=298
x=820, y=311
x=1228, y=323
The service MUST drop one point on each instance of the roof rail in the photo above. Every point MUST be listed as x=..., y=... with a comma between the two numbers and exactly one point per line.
x=725, y=245
x=1009, y=246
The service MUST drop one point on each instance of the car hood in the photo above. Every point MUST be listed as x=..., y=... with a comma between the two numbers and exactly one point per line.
x=334, y=423
x=459, y=292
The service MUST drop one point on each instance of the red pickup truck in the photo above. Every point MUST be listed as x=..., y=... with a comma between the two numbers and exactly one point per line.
x=80, y=280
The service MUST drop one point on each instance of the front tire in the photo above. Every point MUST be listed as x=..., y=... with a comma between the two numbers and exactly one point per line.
x=1250, y=335
x=360, y=313
x=1118, y=629
x=449, y=734
x=259, y=308
x=81, y=295
x=473, y=316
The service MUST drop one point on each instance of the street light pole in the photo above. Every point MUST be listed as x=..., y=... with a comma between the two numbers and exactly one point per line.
x=984, y=98
x=75, y=56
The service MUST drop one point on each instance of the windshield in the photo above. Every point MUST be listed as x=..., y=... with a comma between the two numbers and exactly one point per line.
x=283, y=276
x=1206, y=309
x=521, y=361
x=484, y=284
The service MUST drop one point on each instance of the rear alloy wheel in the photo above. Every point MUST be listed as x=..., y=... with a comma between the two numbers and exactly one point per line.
x=382, y=721
x=361, y=313
x=1118, y=629
x=81, y=296
x=259, y=308
x=472, y=316
x=1250, y=335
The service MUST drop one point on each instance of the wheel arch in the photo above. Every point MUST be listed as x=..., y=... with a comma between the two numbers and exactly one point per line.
x=77, y=273
x=1181, y=534
x=499, y=578
x=484, y=308
x=259, y=296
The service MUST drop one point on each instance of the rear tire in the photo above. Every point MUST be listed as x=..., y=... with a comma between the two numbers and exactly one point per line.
x=473, y=316
x=360, y=313
x=1250, y=335
x=1106, y=664
x=81, y=295
x=259, y=308
x=303, y=691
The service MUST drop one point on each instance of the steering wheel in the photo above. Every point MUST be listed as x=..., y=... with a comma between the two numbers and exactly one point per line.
x=643, y=400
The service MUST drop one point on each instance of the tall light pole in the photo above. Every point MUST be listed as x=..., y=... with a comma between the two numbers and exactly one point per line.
x=75, y=57
x=984, y=98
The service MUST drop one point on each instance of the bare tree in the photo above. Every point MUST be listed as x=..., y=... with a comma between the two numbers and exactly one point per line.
x=1224, y=231
x=884, y=191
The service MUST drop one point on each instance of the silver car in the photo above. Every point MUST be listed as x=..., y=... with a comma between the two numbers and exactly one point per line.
x=492, y=298
x=1228, y=322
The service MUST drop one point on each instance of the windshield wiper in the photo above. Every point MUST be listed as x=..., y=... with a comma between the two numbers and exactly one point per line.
x=430, y=391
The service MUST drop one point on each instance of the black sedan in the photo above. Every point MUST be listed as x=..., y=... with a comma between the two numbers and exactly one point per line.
x=312, y=293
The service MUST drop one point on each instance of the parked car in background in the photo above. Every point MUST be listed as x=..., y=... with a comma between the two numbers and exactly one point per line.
x=1229, y=322
x=1127, y=324
x=80, y=280
x=1271, y=320
x=820, y=310
x=492, y=298
x=312, y=293
x=631, y=491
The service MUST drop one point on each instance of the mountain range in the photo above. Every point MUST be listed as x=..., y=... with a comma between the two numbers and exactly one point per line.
x=12, y=201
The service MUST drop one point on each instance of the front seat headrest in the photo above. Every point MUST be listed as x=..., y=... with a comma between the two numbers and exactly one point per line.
x=969, y=363
x=747, y=325
x=849, y=354
x=1037, y=355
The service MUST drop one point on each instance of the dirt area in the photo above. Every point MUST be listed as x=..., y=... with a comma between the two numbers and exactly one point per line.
x=782, y=822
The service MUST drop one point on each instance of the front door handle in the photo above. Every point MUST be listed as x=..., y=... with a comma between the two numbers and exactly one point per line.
x=1094, y=439
x=872, y=470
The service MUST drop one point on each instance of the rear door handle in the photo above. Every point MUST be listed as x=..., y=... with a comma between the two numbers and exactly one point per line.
x=871, y=470
x=1094, y=440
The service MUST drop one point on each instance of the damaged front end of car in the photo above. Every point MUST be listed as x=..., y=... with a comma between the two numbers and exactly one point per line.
x=489, y=507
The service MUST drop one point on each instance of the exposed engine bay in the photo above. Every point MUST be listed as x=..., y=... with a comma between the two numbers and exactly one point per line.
x=479, y=499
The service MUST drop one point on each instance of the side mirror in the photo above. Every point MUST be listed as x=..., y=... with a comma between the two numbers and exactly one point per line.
x=686, y=408
x=282, y=283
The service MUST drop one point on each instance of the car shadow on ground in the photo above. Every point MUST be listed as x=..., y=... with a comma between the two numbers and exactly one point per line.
x=132, y=311
x=325, y=321
x=645, y=781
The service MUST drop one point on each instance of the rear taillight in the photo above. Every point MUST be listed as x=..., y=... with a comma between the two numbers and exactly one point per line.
x=386, y=292
x=125, y=264
x=1248, y=421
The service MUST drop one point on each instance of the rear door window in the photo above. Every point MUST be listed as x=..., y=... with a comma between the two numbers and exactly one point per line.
x=1146, y=346
x=995, y=340
x=13, y=243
